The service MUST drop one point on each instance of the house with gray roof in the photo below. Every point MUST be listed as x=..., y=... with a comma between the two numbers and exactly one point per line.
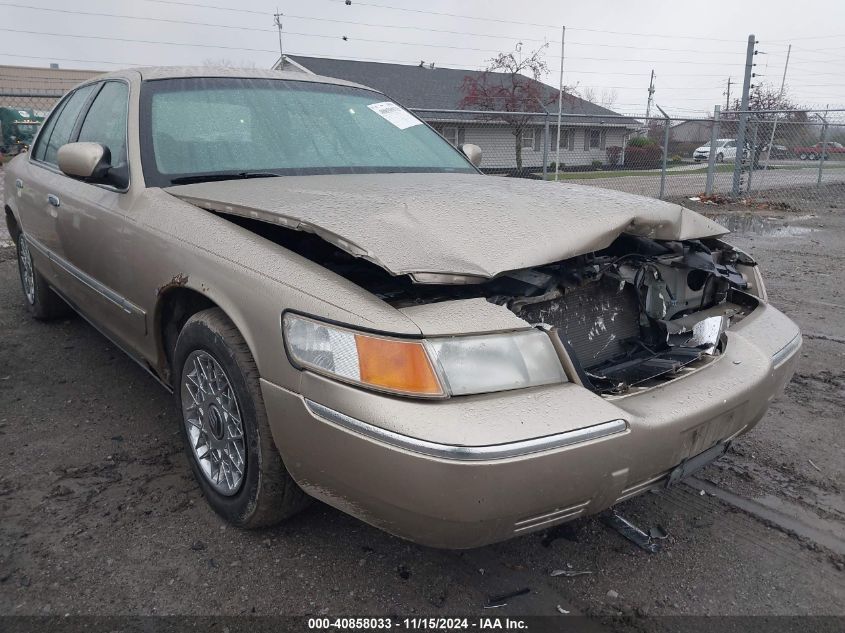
x=436, y=95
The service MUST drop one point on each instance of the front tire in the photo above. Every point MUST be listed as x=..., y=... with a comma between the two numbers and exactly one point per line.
x=720, y=158
x=41, y=302
x=225, y=427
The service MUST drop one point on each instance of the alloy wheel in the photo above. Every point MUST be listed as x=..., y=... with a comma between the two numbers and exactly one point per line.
x=213, y=422
x=27, y=270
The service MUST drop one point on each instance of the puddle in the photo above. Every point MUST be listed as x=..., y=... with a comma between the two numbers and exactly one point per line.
x=759, y=225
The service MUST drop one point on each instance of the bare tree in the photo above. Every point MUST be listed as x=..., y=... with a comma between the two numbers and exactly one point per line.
x=510, y=84
x=765, y=98
x=609, y=96
x=606, y=99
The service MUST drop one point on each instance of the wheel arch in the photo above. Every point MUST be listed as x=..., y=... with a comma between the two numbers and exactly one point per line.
x=12, y=223
x=175, y=305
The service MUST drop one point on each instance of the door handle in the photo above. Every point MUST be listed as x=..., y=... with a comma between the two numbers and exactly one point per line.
x=54, y=200
x=18, y=183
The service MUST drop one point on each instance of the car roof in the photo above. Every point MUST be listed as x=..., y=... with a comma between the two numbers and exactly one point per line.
x=154, y=73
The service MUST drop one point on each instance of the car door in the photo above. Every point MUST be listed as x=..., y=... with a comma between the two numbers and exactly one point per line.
x=729, y=150
x=94, y=228
x=40, y=176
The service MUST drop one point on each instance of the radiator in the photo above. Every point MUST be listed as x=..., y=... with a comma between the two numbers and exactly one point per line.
x=594, y=319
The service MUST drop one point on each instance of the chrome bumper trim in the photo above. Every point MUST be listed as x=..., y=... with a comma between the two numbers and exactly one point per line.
x=787, y=350
x=467, y=453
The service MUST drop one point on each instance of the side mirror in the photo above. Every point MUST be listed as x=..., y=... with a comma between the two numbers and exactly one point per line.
x=472, y=152
x=90, y=161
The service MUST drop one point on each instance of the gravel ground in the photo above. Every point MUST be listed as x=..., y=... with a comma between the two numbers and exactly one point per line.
x=100, y=514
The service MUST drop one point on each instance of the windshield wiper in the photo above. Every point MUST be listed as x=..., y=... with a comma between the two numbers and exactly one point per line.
x=187, y=180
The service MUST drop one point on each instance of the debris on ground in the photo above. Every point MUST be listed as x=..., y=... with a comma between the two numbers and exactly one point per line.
x=812, y=463
x=494, y=602
x=560, y=609
x=753, y=203
x=613, y=594
x=631, y=532
x=568, y=573
x=657, y=532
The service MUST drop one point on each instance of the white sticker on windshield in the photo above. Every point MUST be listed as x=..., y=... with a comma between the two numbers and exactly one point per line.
x=396, y=115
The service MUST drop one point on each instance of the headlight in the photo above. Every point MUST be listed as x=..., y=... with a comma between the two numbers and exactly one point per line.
x=432, y=368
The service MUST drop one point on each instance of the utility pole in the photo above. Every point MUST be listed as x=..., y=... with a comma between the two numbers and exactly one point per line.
x=743, y=115
x=277, y=18
x=650, y=97
x=559, y=101
x=775, y=123
x=728, y=97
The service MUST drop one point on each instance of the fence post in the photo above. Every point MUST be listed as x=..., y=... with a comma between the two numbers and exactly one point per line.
x=665, y=151
x=711, y=160
x=824, y=149
x=752, y=155
x=743, y=117
x=546, y=148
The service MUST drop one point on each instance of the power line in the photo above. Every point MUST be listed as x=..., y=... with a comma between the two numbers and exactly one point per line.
x=454, y=15
x=135, y=17
x=346, y=22
x=316, y=35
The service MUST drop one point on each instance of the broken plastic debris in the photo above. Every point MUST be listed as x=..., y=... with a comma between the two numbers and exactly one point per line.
x=568, y=573
x=657, y=532
x=631, y=532
x=703, y=334
x=494, y=602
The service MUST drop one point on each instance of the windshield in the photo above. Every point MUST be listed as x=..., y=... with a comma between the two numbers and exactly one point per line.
x=233, y=127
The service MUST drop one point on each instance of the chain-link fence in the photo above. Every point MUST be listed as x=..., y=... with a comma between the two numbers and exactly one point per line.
x=21, y=114
x=787, y=155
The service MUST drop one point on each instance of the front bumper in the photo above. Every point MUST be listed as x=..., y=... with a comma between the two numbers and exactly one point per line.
x=475, y=470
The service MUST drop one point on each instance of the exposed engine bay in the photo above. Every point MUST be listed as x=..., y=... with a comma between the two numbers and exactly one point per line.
x=637, y=312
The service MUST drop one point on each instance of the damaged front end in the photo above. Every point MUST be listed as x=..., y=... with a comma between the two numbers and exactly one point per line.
x=636, y=313
x=641, y=310
x=630, y=315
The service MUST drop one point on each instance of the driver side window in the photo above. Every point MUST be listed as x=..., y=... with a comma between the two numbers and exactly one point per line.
x=105, y=122
x=59, y=128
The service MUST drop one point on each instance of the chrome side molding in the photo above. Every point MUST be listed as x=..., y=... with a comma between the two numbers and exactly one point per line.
x=121, y=302
x=467, y=453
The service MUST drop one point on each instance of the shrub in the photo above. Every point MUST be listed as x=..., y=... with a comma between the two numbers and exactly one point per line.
x=648, y=157
x=614, y=152
x=597, y=164
x=677, y=159
x=641, y=141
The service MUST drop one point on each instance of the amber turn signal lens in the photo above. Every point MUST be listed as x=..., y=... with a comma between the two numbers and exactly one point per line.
x=396, y=365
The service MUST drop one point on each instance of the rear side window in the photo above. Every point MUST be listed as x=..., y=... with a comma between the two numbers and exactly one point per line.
x=63, y=127
x=105, y=122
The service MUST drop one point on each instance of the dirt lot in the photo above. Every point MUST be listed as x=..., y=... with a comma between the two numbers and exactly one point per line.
x=100, y=514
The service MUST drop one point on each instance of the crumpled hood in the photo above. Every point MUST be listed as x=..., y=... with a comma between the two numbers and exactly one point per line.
x=453, y=224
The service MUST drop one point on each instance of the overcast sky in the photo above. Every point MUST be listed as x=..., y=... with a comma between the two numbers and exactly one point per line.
x=611, y=46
